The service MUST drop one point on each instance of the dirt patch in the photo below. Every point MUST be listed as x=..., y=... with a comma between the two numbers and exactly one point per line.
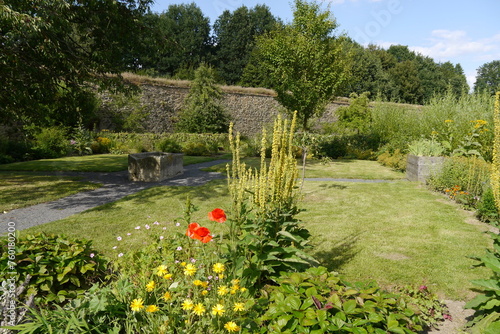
x=459, y=317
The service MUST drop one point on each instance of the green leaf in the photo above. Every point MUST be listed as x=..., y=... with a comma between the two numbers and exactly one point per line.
x=479, y=300
x=349, y=306
x=488, y=284
x=293, y=302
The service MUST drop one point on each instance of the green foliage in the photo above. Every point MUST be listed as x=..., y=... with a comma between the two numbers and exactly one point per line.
x=487, y=303
x=203, y=111
x=395, y=160
x=488, y=78
x=318, y=301
x=82, y=140
x=426, y=147
x=52, y=142
x=199, y=148
x=306, y=66
x=357, y=116
x=168, y=145
x=486, y=208
x=61, y=268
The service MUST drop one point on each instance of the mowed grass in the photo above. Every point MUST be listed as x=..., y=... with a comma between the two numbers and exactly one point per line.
x=18, y=190
x=86, y=163
x=340, y=169
x=395, y=233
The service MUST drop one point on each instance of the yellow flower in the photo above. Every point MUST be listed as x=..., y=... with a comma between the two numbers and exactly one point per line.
x=221, y=276
x=238, y=307
x=183, y=264
x=161, y=270
x=152, y=308
x=218, y=268
x=197, y=282
x=204, y=284
x=199, y=309
x=189, y=269
x=235, y=281
x=243, y=289
x=234, y=289
x=222, y=290
x=150, y=286
x=137, y=304
x=167, y=296
x=187, y=305
x=204, y=292
x=232, y=327
x=448, y=121
x=167, y=276
x=218, y=309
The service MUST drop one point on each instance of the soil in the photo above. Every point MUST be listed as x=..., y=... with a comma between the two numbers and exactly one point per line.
x=459, y=317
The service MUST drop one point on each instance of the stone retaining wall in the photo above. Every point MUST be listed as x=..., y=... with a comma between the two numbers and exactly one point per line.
x=249, y=112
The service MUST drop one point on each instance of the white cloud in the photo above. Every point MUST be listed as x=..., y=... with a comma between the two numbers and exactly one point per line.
x=446, y=44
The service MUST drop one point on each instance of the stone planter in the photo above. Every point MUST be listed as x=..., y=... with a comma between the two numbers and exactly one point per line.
x=420, y=168
x=154, y=166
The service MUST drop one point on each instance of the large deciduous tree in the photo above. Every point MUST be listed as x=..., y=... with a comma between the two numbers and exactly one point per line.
x=488, y=77
x=305, y=62
x=235, y=34
x=54, y=50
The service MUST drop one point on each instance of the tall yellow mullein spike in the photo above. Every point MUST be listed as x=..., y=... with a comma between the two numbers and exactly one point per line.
x=495, y=166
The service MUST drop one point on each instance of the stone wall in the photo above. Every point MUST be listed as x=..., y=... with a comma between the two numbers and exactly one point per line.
x=249, y=112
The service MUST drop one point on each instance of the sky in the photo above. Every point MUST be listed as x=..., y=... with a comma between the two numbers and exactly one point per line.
x=460, y=31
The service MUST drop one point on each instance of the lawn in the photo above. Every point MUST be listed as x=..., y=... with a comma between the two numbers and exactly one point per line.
x=18, y=190
x=341, y=169
x=394, y=232
x=86, y=163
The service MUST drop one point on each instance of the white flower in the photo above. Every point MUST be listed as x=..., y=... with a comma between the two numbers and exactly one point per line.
x=114, y=247
x=177, y=224
x=120, y=255
x=138, y=228
x=179, y=248
x=147, y=227
x=156, y=223
x=92, y=255
x=161, y=237
x=129, y=233
x=119, y=238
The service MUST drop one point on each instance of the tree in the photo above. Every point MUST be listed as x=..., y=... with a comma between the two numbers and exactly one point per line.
x=54, y=51
x=203, y=111
x=306, y=64
x=235, y=35
x=407, y=81
x=488, y=77
x=357, y=116
x=177, y=39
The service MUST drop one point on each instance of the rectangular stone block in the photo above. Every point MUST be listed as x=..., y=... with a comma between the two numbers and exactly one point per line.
x=419, y=168
x=154, y=166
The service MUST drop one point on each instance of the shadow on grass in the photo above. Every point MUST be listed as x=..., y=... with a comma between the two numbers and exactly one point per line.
x=326, y=186
x=338, y=253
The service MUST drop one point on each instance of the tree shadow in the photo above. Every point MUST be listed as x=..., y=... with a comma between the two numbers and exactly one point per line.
x=327, y=186
x=339, y=252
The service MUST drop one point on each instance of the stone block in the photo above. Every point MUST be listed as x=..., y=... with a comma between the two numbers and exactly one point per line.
x=154, y=166
x=419, y=168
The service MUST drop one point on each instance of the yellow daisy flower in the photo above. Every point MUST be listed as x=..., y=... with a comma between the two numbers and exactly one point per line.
x=167, y=296
x=243, y=289
x=150, y=286
x=222, y=290
x=239, y=307
x=189, y=269
x=167, y=276
x=199, y=309
x=187, y=305
x=137, y=304
x=218, y=268
x=161, y=270
x=218, y=309
x=204, y=292
x=197, y=282
x=235, y=281
x=232, y=327
x=152, y=308
x=234, y=289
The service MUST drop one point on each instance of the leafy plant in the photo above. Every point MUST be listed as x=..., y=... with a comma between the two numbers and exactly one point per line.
x=82, y=139
x=426, y=147
x=168, y=145
x=396, y=160
x=318, y=301
x=60, y=268
x=487, y=304
x=51, y=142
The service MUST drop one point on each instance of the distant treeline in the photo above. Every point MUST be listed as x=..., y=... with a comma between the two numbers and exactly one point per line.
x=175, y=42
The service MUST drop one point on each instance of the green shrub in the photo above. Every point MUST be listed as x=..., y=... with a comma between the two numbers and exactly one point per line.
x=168, y=145
x=51, y=142
x=200, y=148
x=332, y=147
x=426, y=148
x=318, y=301
x=486, y=208
x=395, y=160
x=61, y=268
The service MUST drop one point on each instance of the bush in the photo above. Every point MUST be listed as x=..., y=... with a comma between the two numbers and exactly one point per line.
x=101, y=145
x=51, y=142
x=61, y=268
x=486, y=208
x=395, y=160
x=332, y=147
x=168, y=145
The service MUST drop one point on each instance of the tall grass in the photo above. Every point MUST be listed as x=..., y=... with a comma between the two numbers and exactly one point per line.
x=397, y=125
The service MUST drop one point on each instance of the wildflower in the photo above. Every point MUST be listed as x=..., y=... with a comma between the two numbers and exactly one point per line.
x=189, y=270
x=195, y=231
x=138, y=228
x=218, y=309
x=161, y=237
x=199, y=309
x=179, y=248
x=217, y=215
x=218, y=268
x=167, y=296
x=137, y=304
x=222, y=290
x=150, y=286
x=197, y=282
x=92, y=255
x=234, y=289
x=120, y=255
x=221, y=276
x=204, y=284
x=204, y=292
x=147, y=227
x=187, y=305
x=152, y=308
x=161, y=270
x=232, y=327
x=164, y=228
x=129, y=234
x=235, y=281
x=168, y=276
x=243, y=289
x=156, y=223
x=193, y=260
x=114, y=247
x=239, y=307
x=177, y=224
x=183, y=264
x=119, y=238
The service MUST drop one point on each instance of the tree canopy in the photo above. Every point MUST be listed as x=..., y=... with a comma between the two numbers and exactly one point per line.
x=488, y=77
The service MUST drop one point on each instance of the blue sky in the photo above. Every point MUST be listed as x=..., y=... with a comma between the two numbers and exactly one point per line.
x=460, y=31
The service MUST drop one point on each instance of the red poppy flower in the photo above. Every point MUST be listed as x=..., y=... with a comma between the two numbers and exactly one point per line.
x=217, y=215
x=195, y=231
